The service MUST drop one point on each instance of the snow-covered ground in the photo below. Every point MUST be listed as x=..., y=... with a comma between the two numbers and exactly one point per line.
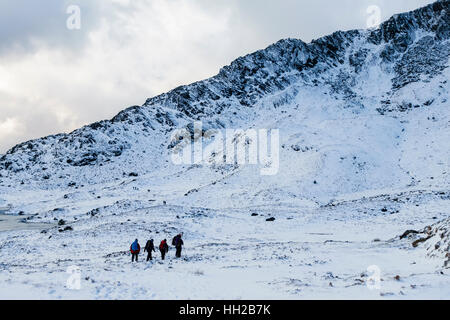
x=307, y=252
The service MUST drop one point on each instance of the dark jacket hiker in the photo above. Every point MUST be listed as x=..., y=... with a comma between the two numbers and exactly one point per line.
x=164, y=248
x=135, y=248
x=178, y=243
x=149, y=247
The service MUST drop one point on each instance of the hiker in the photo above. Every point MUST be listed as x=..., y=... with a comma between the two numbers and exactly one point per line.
x=149, y=247
x=177, y=242
x=134, y=249
x=164, y=248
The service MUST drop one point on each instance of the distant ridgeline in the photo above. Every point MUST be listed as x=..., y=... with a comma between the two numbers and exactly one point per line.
x=411, y=48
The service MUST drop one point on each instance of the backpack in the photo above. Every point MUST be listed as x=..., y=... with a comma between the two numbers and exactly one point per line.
x=174, y=241
x=161, y=246
x=135, y=247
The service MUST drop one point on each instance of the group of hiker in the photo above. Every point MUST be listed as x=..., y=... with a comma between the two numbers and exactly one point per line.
x=135, y=248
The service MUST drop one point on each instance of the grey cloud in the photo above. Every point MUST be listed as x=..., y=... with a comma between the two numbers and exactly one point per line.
x=306, y=19
x=25, y=25
x=23, y=21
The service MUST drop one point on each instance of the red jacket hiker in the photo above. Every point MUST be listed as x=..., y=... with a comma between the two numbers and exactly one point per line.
x=163, y=247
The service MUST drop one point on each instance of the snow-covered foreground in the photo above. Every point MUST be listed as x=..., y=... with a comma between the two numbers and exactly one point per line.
x=307, y=252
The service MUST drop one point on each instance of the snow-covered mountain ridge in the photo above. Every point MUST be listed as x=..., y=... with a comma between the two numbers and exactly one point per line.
x=409, y=49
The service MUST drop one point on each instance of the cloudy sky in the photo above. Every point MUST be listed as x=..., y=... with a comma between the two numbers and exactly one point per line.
x=56, y=77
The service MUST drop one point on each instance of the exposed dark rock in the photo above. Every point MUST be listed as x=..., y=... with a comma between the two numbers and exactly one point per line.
x=418, y=241
x=68, y=228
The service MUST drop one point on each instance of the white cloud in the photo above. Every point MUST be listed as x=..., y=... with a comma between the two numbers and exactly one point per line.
x=9, y=126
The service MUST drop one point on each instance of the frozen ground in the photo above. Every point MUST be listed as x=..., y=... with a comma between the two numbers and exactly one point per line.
x=307, y=252
x=13, y=222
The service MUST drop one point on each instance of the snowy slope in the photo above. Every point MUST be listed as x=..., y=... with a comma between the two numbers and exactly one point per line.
x=364, y=126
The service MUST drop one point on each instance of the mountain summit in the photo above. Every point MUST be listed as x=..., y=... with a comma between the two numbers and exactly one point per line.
x=382, y=89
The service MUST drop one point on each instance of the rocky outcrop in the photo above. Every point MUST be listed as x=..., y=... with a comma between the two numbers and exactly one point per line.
x=435, y=239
